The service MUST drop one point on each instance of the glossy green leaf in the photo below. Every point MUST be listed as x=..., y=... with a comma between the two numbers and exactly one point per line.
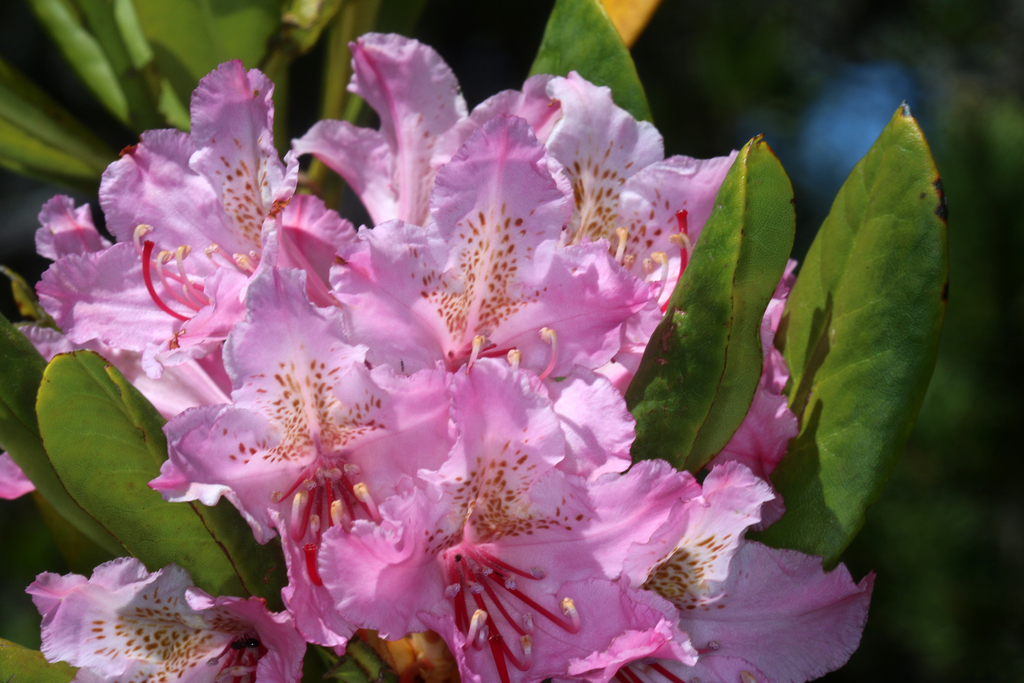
x=26, y=300
x=189, y=38
x=700, y=370
x=860, y=332
x=84, y=52
x=21, y=371
x=21, y=665
x=39, y=138
x=106, y=443
x=580, y=37
x=81, y=553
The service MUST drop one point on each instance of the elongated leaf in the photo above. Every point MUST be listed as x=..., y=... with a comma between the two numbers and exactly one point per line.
x=698, y=375
x=21, y=371
x=38, y=137
x=21, y=665
x=860, y=332
x=84, y=52
x=80, y=553
x=105, y=442
x=580, y=37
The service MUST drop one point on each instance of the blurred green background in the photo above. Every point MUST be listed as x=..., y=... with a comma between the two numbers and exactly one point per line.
x=820, y=79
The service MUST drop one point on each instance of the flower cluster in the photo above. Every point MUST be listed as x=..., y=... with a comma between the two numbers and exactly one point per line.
x=429, y=413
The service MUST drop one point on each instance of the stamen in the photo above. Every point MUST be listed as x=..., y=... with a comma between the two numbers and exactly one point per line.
x=484, y=558
x=190, y=289
x=569, y=609
x=215, y=250
x=351, y=469
x=528, y=622
x=362, y=493
x=147, y=257
x=141, y=231
x=340, y=516
x=668, y=674
x=476, y=588
x=162, y=258
x=526, y=642
x=630, y=676
x=298, y=503
x=510, y=583
x=452, y=590
x=661, y=258
x=310, y=550
x=478, y=343
x=245, y=263
x=623, y=236
x=747, y=677
x=477, y=625
x=548, y=336
x=514, y=356
x=314, y=523
x=537, y=572
x=628, y=260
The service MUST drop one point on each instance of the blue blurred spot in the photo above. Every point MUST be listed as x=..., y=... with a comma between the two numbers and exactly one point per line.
x=841, y=125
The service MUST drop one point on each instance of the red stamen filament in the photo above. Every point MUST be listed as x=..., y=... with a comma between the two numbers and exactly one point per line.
x=147, y=257
x=629, y=676
x=666, y=673
x=684, y=249
x=310, y=550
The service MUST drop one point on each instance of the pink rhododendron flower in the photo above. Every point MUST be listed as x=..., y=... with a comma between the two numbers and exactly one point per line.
x=513, y=562
x=488, y=274
x=13, y=482
x=773, y=614
x=127, y=624
x=312, y=439
x=192, y=215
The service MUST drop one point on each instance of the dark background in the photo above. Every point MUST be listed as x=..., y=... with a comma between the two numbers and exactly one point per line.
x=820, y=79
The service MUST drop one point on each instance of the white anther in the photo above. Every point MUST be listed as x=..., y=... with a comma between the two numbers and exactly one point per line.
x=537, y=572
x=620, y=251
x=339, y=515
x=682, y=240
x=298, y=502
x=514, y=356
x=478, y=343
x=548, y=336
x=476, y=588
x=309, y=484
x=245, y=263
x=568, y=608
x=477, y=628
x=351, y=469
x=714, y=645
x=747, y=677
x=452, y=590
x=141, y=231
x=526, y=642
x=628, y=260
x=334, y=474
x=486, y=571
x=648, y=266
x=528, y=622
x=362, y=494
x=276, y=496
x=510, y=583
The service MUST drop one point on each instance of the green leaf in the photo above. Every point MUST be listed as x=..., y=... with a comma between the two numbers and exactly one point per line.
x=20, y=665
x=21, y=371
x=860, y=333
x=39, y=138
x=26, y=300
x=106, y=443
x=700, y=370
x=84, y=52
x=81, y=554
x=189, y=38
x=580, y=37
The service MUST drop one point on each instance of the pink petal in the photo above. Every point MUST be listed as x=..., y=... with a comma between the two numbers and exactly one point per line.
x=600, y=146
x=782, y=614
x=232, y=124
x=709, y=534
x=67, y=230
x=310, y=234
x=417, y=98
x=13, y=482
x=362, y=157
